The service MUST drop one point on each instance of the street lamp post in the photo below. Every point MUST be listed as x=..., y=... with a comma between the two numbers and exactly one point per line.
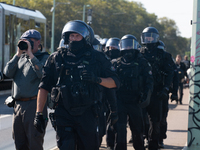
x=84, y=11
x=53, y=18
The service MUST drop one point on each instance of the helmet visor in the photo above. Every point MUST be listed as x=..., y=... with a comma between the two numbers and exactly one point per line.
x=149, y=38
x=113, y=44
x=128, y=44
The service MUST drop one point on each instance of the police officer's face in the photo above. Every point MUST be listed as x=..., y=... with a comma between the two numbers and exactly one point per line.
x=149, y=39
x=75, y=37
x=113, y=47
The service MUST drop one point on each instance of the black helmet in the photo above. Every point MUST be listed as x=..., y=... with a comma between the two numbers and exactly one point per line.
x=76, y=26
x=149, y=35
x=161, y=45
x=128, y=42
x=61, y=44
x=93, y=40
x=113, y=42
x=104, y=41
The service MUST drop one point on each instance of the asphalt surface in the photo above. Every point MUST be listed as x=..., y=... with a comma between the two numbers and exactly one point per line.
x=177, y=126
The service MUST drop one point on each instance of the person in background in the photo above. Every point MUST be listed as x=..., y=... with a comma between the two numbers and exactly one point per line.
x=182, y=73
x=186, y=62
x=25, y=68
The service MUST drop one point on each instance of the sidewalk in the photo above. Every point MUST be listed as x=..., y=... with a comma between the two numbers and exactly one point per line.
x=177, y=126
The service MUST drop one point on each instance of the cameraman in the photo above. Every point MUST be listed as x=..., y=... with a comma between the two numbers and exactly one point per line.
x=25, y=68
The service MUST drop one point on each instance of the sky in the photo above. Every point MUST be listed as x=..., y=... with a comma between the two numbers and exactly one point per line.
x=181, y=11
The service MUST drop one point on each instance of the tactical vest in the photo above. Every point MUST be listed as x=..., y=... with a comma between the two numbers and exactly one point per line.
x=78, y=95
x=131, y=82
x=156, y=61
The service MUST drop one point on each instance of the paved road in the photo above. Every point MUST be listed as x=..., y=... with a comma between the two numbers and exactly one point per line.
x=177, y=126
x=6, y=141
x=176, y=134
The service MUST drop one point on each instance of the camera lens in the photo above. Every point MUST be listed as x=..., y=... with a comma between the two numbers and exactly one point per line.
x=23, y=45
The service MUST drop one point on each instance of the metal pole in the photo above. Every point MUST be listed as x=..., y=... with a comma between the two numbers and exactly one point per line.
x=193, y=141
x=13, y=2
x=52, y=29
x=83, y=13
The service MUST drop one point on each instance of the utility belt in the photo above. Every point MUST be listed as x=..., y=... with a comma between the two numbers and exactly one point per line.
x=27, y=99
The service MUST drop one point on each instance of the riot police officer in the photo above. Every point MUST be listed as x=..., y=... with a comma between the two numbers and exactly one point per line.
x=112, y=51
x=134, y=93
x=165, y=104
x=76, y=75
x=162, y=75
x=112, y=48
x=182, y=73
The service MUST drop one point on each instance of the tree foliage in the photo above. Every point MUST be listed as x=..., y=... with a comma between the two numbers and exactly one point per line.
x=110, y=18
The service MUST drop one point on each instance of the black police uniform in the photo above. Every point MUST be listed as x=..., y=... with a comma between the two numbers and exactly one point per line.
x=112, y=55
x=136, y=78
x=165, y=103
x=182, y=72
x=77, y=110
x=162, y=74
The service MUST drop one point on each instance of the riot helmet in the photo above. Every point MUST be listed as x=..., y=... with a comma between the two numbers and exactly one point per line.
x=161, y=45
x=150, y=35
x=112, y=48
x=61, y=44
x=93, y=40
x=129, y=47
x=76, y=26
x=113, y=43
x=128, y=42
x=103, y=43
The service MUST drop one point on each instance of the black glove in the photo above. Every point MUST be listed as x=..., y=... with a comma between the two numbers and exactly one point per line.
x=174, y=97
x=90, y=77
x=39, y=122
x=113, y=118
x=163, y=95
x=145, y=99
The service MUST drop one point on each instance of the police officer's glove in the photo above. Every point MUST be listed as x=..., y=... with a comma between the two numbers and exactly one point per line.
x=164, y=94
x=39, y=122
x=174, y=97
x=113, y=117
x=90, y=77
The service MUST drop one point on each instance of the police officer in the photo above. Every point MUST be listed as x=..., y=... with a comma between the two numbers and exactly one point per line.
x=78, y=73
x=134, y=93
x=165, y=105
x=162, y=75
x=112, y=52
x=112, y=48
x=182, y=73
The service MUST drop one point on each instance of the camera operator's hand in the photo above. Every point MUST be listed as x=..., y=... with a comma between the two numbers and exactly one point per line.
x=90, y=77
x=29, y=50
x=39, y=122
x=20, y=51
